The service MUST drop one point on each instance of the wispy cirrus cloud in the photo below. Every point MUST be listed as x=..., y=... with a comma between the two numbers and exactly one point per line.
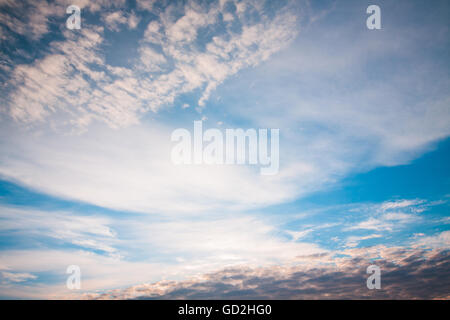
x=353, y=241
x=15, y=277
x=91, y=232
x=391, y=215
x=76, y=167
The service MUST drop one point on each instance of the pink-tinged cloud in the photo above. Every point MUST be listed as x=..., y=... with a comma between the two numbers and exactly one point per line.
x=406, y=273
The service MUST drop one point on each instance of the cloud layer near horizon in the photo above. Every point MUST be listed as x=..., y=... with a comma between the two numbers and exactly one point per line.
x=412, y=273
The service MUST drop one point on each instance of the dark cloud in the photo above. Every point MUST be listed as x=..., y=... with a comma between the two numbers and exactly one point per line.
x=405, y=274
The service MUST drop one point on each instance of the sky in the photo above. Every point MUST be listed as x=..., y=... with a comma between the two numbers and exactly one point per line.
x=86, y=176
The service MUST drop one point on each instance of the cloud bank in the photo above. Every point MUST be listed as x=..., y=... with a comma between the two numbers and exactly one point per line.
x=411, y=273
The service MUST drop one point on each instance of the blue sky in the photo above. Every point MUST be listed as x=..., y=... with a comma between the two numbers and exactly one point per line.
x=86, y=176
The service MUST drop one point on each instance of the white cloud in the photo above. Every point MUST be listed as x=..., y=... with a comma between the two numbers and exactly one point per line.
x=16, y=276
x=35, y=18
x=131, y=170
x=57, y=83
x=152, y=60
x=145, y=4
x=34, y=23
x=441, y=240
x=387, y=216
x=90, y=232
x=213, y=242
x=133, y=21
x=373, y=224
x=353, y=241
x=114, y=20
x=296, y=235
x=399, y=217
x=399, y=204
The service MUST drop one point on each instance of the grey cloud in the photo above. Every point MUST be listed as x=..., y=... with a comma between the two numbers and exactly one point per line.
x=405, y=274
